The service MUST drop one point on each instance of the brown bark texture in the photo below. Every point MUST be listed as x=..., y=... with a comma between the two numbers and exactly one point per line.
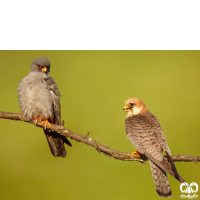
x=93, y=143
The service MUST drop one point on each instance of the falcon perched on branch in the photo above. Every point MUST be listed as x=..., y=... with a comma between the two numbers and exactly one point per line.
x=144, y=131
x=39, y=100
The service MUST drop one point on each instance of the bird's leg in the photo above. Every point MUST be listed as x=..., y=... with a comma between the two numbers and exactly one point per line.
x=37, y=119
x=136, y=152
x=46, y=122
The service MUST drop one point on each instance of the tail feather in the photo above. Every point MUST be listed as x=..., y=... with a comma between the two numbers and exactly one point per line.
x=161, y=181
x=65, y=140
x=55, y=143
x=176, y=174
x=164, y=165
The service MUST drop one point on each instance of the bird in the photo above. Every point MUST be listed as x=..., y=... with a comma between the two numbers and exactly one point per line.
x=145, y=132
x=39, y=100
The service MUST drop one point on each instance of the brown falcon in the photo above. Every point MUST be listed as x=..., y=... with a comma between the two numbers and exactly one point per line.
x=39, y=100
x=144, y=131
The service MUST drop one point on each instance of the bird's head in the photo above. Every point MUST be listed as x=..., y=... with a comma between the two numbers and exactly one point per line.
x=134, y=106
x=41, y=64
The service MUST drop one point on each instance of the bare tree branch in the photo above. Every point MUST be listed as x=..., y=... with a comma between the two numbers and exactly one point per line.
x=89, y=141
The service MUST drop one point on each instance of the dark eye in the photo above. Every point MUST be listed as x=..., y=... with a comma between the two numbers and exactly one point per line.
x=131, y=104
x=39, y=66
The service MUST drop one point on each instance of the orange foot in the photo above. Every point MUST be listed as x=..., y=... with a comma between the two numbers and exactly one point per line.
x=36, y=120
x=136, y=152
x=46, y=122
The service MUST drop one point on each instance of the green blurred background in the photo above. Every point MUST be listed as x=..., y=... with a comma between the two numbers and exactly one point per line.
x=94, y=86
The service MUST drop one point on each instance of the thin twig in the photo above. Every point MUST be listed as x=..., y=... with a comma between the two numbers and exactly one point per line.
x=89, y=141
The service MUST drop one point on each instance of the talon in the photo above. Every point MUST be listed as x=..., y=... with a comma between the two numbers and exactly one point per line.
x=46, y=122
x=37, y=119
x=136, y=152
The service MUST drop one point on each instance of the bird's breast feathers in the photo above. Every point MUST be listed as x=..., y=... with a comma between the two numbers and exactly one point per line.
x=34, y=96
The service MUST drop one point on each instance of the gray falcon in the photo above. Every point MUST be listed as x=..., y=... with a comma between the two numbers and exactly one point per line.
x=39, y=100
x=144, y=131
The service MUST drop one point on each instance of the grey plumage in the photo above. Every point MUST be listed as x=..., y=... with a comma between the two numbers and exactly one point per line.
x=41, y=61
x=144, y=131
x=35, y=97
x=39, y=97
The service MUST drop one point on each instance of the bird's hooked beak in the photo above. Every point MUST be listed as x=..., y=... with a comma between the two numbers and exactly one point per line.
x=126, y=108
x=44, y=69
